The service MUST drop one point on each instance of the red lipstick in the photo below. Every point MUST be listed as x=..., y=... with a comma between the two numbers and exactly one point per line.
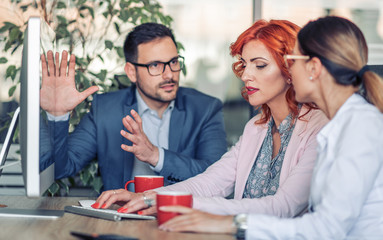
x=251, y=90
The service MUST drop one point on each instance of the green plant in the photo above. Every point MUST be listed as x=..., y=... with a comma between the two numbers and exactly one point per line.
x=94, y=32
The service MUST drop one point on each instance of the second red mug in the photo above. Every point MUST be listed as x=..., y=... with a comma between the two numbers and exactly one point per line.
x=170, y=199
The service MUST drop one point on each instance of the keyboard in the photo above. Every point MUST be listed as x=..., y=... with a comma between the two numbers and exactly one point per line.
x=107, y=214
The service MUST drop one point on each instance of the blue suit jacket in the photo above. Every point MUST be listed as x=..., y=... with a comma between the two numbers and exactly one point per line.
x=196, y=139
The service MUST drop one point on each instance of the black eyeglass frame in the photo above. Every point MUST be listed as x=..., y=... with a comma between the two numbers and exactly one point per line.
x=182, y=64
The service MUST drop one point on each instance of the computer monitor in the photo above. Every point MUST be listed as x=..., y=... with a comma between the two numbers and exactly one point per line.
x=38, y=176
x=36, y=153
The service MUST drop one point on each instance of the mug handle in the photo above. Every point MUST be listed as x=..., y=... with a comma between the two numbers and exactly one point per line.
x=127, y=183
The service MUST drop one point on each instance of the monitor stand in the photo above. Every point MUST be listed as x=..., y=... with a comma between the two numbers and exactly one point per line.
x=30, y=213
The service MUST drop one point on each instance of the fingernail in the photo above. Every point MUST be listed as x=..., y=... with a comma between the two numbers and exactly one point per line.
x=122, y=210
x=95, y=205
x=139, y=212
x=103, y=205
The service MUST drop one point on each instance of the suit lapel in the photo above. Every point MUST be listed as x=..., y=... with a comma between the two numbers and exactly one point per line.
x=301, y=126
x=177, y=119
x=175, y=133
x=251, y=145
x=295, y=141
x=131, y=103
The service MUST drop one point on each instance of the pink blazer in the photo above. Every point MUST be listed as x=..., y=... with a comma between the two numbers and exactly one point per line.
x=230, y=173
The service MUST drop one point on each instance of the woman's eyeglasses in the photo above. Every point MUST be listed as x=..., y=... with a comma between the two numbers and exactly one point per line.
x=290, y=59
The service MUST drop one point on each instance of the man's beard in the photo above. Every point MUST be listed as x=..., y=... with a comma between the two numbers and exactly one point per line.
x=157, y=97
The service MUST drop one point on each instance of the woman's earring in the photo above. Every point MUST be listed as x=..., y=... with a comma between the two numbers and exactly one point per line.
x=311, y=78
x=289, y=81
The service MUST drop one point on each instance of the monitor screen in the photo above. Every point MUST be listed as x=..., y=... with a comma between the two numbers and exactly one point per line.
x=8, y=139
x=37, y=163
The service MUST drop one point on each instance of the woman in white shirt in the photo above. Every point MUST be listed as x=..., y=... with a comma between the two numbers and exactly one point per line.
x=328, y=68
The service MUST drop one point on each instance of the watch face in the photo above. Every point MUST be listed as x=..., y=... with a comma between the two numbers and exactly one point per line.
x=240, y=222
x=241, y=219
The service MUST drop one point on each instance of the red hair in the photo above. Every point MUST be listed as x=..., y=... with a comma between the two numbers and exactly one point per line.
x=279, y=37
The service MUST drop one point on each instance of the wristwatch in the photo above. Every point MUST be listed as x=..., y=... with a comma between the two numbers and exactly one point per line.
x=240, y=222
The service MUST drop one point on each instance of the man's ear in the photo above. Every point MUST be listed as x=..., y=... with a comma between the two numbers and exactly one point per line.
x=130, y=71
x=314, y=67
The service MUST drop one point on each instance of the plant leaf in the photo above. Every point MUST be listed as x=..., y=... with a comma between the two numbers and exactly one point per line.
x=54, y=189
x=117, y=27
x=97, y=184
x=11, y=91
x=81, y=2
x=7, y=26
x=61, y=5
x=123, y=79
x=120, y=52
x=24, y=8
x=108, y=44
x=101, y=75
x=91, y=11
x=61, y=19
x=85, y=176
x=100, y=57
x=14, y=34
x=11, y=72
x=3, y=60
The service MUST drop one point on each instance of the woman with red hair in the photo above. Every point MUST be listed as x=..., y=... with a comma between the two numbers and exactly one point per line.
x=270, y=167
x=328, y=65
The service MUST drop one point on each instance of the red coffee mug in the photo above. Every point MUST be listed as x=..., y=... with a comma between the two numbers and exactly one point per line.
x=171, y=199
x=143, y=183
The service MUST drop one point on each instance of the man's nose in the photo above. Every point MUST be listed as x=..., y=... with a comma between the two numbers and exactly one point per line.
x=167, y=73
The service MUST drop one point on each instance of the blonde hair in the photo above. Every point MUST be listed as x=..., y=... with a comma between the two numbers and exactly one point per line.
x=374, y=89
x=342, y=49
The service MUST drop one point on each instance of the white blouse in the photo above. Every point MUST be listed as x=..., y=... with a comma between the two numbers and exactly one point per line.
x=346, y=196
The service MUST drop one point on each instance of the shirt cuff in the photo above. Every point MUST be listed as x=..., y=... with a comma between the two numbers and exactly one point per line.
x=160, y=162
x=64, y=117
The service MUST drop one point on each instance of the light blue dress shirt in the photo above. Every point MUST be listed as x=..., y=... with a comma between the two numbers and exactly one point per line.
x=64, y=117
x=346, y=197
x=157, y=131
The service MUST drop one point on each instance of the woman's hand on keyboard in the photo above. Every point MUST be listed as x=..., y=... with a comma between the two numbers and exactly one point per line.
x=131, y=202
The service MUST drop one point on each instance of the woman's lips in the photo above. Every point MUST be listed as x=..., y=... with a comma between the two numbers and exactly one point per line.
x=251, y=90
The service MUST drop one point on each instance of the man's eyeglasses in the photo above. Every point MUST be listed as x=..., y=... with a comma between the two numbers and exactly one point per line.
x=157, y=68
x=290, y=59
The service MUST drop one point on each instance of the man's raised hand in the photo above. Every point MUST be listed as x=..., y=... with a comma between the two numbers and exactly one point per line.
x=58, y=93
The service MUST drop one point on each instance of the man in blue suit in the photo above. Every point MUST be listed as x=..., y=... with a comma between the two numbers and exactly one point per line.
x=154, y=127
